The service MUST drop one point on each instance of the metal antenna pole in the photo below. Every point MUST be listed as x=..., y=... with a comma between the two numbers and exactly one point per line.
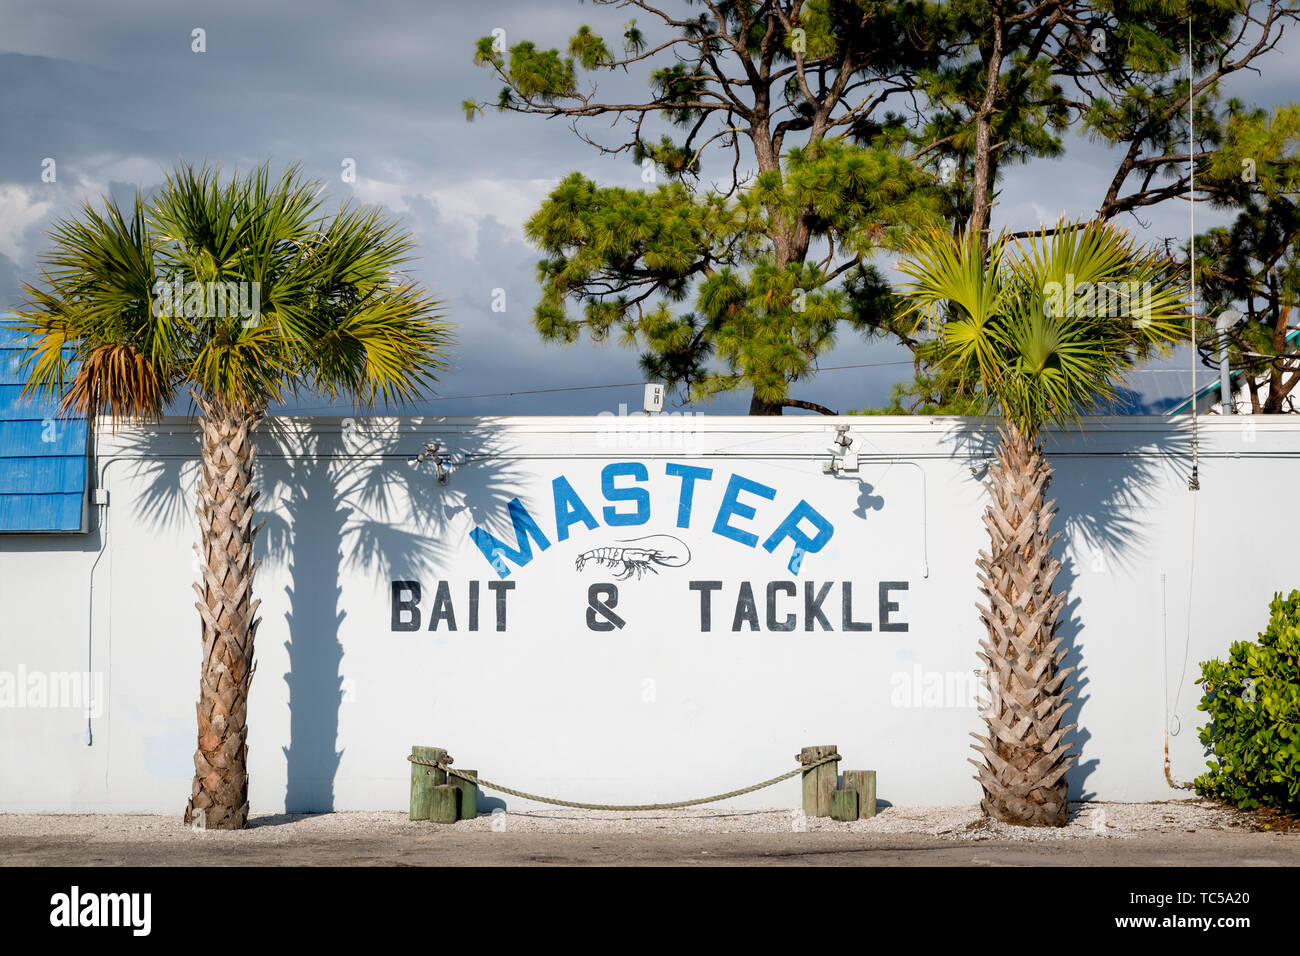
x=1222, y=327
x=1225, y=387
x=1194, y=484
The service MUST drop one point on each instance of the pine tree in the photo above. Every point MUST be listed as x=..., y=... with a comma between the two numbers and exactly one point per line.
x=800, y=138
x=1254, y=263
x=739, y=286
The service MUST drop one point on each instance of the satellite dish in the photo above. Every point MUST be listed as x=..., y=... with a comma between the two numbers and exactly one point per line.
x=1227, y=319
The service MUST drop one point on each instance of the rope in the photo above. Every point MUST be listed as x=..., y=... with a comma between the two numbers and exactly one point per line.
x=608, y=806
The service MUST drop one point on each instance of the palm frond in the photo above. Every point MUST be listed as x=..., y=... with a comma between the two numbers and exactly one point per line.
x=1046, y=330
x=96, y=295
x=237, y=288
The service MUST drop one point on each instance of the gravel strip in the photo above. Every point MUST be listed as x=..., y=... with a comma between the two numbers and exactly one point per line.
x=1088, y=821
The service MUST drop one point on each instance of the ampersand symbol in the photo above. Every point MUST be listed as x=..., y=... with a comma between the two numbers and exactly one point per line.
x=603, y=598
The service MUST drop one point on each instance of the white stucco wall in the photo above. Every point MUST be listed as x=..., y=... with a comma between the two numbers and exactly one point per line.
x=657, y=709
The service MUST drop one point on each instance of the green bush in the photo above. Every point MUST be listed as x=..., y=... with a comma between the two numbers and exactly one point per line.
x=1253, y=699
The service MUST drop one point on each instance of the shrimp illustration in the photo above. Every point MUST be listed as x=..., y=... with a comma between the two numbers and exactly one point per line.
x=669, y=553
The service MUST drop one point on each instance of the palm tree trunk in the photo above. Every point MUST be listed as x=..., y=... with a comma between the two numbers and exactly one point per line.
x=228, y=616
x=1025, y=760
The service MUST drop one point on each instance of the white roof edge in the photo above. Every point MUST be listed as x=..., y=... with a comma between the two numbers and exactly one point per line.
x=707, y=423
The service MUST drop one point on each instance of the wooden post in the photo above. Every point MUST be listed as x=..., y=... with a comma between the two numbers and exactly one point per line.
x=424, y=779
x=818, y=783
x=446, y=803
x=468, y=794
x=864, y=782
x=844, y=805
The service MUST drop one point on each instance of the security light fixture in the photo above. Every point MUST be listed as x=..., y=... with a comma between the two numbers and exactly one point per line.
x=441, y=462
x=847, y=462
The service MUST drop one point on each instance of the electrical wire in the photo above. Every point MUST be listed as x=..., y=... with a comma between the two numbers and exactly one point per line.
x=1175, y=725
x=582, y=388
x=573, y=388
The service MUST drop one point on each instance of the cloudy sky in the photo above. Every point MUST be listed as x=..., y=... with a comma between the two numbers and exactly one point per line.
x=114, y=93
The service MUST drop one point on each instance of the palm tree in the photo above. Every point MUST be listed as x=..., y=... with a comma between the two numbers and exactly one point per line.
x=1042, y=334
x=240, y=294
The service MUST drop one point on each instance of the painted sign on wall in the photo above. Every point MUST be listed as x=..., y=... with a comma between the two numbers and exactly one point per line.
x=638, y=522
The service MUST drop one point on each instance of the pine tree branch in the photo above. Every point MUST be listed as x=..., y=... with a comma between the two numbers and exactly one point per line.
x=809, y=406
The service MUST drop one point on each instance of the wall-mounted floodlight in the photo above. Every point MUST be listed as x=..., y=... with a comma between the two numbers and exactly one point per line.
x=430, y=450
x=440, y=462
x=1225, y=323
x=848, y=460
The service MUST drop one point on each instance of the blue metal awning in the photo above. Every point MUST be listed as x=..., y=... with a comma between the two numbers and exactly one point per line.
x=44, y=457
